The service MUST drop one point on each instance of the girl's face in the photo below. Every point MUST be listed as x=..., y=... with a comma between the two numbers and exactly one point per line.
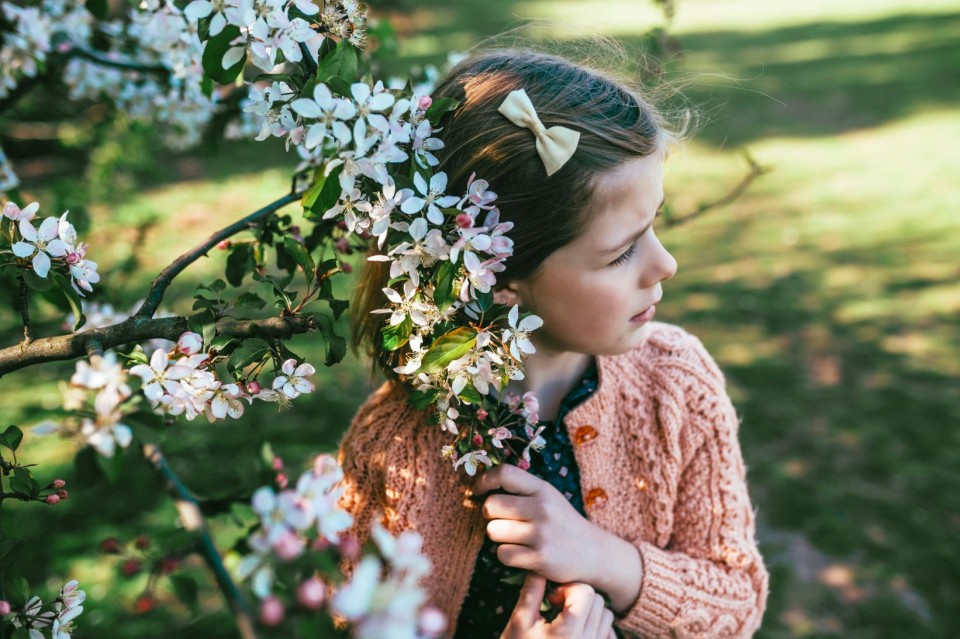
x=596, y=293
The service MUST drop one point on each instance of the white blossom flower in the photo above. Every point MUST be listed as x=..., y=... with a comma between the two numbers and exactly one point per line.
x=432, y=197
x=294, y=380
x=472, y=460
x=15, y=213
x=279, y=513
x=518, y=335
x=42, y=243
x=330, y=114
x=157, y=377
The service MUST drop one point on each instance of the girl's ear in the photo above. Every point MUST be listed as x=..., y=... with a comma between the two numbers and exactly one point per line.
x=508, y=296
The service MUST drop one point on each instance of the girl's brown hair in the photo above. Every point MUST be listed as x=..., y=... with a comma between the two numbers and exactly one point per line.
x=615, y=123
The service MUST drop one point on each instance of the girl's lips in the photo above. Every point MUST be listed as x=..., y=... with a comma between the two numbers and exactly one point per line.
x=645, y=316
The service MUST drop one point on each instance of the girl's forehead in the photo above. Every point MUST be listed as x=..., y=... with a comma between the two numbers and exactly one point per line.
x=629, y=194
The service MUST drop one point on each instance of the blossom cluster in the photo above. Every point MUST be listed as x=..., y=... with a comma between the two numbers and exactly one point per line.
x=58, y=620
x=382, y=599
x=178, y=381
x=53, y=242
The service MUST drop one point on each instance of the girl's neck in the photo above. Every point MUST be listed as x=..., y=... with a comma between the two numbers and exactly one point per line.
x=550, y=376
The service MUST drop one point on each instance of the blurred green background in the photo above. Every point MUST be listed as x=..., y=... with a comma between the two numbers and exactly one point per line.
x=828, y=293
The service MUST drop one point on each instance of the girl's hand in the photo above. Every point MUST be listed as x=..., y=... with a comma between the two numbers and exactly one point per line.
x=582, y=615
x=536, y=527
x=538, y=530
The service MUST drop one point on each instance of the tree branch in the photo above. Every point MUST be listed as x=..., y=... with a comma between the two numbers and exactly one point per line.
x=193, y=520
x=138, y=329
x=755, y=171
x=105, y=61
x=162, y=281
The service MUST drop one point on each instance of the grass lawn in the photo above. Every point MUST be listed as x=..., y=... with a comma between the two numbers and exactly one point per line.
x=828, y=293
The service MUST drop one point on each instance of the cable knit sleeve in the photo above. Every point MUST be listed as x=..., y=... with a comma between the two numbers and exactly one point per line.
x=708, y=581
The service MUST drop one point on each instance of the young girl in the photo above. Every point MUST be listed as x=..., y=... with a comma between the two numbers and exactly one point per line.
x=640, y=491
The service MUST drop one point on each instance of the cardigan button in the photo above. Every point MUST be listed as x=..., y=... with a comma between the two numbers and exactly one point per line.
x=584, y=434
x=596, y=498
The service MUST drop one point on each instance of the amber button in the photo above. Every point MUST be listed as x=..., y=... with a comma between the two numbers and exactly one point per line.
x=596, y=497
x=584, y=434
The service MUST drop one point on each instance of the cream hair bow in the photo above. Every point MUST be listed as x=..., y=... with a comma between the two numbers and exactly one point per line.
x=555, y=145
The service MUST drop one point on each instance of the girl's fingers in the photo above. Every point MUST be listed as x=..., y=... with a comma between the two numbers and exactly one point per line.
x=577, y=603
x=507, y=507
x=517, y=556
x=593, y=626
x=508, y=478
x=606, y=625
x=527, y=611
x=508, y=531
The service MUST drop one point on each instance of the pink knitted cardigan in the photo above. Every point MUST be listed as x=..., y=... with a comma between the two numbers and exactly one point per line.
x=660, y=467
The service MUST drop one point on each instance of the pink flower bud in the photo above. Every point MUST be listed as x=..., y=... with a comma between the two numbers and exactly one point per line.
x=295, y=230
x=343, y=245
x=110, y=545
x=482, y=414
x=145, y=603
x=64, y=47
x=320, y=543
x=342, y=225
x=253, y=387
x=477, y=440
x=464, y=221
x=62, y=494
x=4, y=607
x=169, y=565
x=288, y=546
x=190, y=343
x=73, y=258
x=130, y=567
x=523, y=464
x=142, y=542
x=52, y=499
x=277, y=463
x=432, y=621
x=282, y=480
x=312, y=593
x=271, y=612
x=347, y=268
x=349, y=547
x=224, y=245
x=58, y=483
x=425, y=103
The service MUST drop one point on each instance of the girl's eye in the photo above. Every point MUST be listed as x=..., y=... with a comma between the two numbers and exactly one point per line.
x=624, y=257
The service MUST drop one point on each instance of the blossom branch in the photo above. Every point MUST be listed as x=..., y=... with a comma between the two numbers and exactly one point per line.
x=25, y=309
x=193, y=520
x=162, y=281
x=105, y=61
x=755, y=171
x=138, y=329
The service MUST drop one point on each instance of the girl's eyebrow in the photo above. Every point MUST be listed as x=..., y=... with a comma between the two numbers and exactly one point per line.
x=633, y=238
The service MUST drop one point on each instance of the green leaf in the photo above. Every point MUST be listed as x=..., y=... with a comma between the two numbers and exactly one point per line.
x=443, y=279
x=74, y=301
x=23, y=482
x=338, y=307
x=187, y=591
x=396, y=336
x=448, y=348
x=34, y=281
x=214, y=51
x=301, y=256
x=423, y=399
x=470, y=395
x=12, y=437
x=87, y=471
x=250, y=299
x=220, y=343
x=97, y=8
x=323, y=197
x=18, y=589
x=239, y=263
x=339, y=63
x=334, y=345
x=10, y=549
x=252, y=350
x=111, y=467
x=439, y=108
x=485, y=300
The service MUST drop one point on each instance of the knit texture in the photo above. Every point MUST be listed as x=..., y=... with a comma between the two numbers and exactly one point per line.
x=660, y=467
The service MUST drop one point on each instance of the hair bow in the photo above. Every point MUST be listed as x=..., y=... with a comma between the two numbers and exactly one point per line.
x=555, y=145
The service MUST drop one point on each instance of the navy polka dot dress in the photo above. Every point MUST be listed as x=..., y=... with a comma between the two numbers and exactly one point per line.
x=490, y=600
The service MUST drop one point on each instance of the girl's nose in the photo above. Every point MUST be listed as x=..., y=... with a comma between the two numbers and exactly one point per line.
x=662, y=266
